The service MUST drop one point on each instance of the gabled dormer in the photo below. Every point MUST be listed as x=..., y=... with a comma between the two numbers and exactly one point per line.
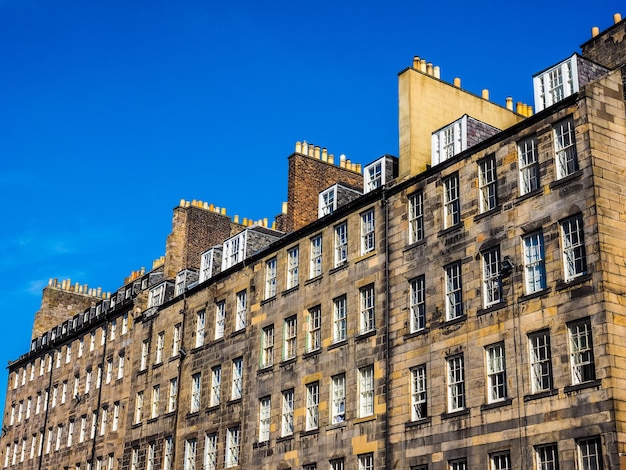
x=334, y=197
x=379, y=172
x=458, y=136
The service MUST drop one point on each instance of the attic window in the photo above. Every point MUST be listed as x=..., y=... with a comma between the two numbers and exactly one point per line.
x=556, y=83
x=327, y=201
x=234, y=249
x=449, y=141
x=206, y=265
x=374, y=176
x=157, y=295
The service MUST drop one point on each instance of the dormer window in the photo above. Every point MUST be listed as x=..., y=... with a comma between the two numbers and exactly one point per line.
x=157, y=296
x=556, y=83
x=234, y=249
x=327, y=201
x=374, y=176
x=449, y=141
x=206, y=265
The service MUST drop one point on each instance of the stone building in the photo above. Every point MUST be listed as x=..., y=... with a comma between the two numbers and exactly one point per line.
x=459, y=307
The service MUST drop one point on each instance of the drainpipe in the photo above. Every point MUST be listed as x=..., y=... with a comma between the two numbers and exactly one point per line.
x=105, y=332
x=47, y=412
x=385, y=207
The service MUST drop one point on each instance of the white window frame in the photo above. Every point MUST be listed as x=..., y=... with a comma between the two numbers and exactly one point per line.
x=487, y=183
x=419, y=393
x=237, y=379
x=156, y=397
x=176, y=339
x=547, y=457
x=120, y=365
x=451, y=201
x=416, y=217
x=417, y=304
x=190, y=454
x=168, y=453
x=366, y=391
x=368, y=232
x=367, y=317
x=234, y=250
x=582, y=363
x=312, y=406
x=573, y=242
x=458, y=464
x=496, y=373
x=293, y=265
x=528, y=161
x=196, y=391
x=492, y=286
x=216, y=385
x=145, y=352
x=341, y=244
x=157, y=296
x=265, y=413
x=456, y=383
x=373, y=176
x=556, y=83
x=314, y=329
x=287, y=423
x=270, y=278
x=267, y=346
x=210, y=451
x=138, y=408
x=116, y=416
x=242, y=310
x=454, y=291
x=159, y=349
x=449, y=141
x=338, y=397
x=172, y=395
x=316, y=256
x=150, y=456
x=500, y=461
x=589, y=454
x=200, y=326
x=540, y=361
x=366, y=461
x=340, y=319
x=220, y=319
x=231, y=457
x=290, y=337
x=327, y=202
x=534, y=262
x=565, y=148
x=206, y=265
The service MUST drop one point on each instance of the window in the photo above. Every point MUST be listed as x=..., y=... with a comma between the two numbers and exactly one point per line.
x=337, y=464
x=565, y=148
x=534, y=263
x=417, y=306
x=290, y=330
x=231, y=458
x=168, y=453
x=589, y=454
x=312, y=406
x=314, y=329
x=311, y=466
x=109, y=371
x=374, y=177
x=267, y=346
x=70, y=433
x=449, y=141
x=416, y=217
x=454, y=305
x=456, y=384
x=264, y=419
x=29, y=405
x=327, y=201
x=242, y=307
x=216, y=383
x=237, y=379
x=68, y=349
x=339, y=319
x=367, y=320
x=366, y=391
x=190, y=455
x=547, y=458
x=172, y=395
x=37, y=406
x=368, y=242
x=120, y=366
x=210, y=451
x=55, y=393
x=293, y=262
x=99, y=376
x=528, y=165
x=134, y=459
x=57, y=444
x=234, y=249
x=83, y=428
x=81, y=347
x=287, y=413
x=195, y=393
x=200, y=328
x=145, y=351
x=88, y=381
x=116, y=416
x=496, y=373
x=103, y=420
x=341, y=244
x=156, y=393
x=338, y=397
x=58, y=356
x=316, y=256
x=138, y=407
x=458, y=464
x=206, y=265
x=574, y=258
x=540, y=366
x=220, y=319
x=157, y=295
x=581, y=352
x=492, y=292
x=487, y=183
x=451, y=203
x=159, y=351
x=176, y=339
x=418, y=393
x=125, y=323
x=556, y=83
x=366, y=462
x=150, y=456
x=92, y=340
x=270, y=278
x=500, y=461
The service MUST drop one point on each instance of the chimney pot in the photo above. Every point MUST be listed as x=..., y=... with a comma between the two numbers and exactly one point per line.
x=457, y=82
x=509, y=103
x=595, y=31
x=298, y=147
x=416, y=62
x=485, y=94
x=617, y=18
x=436, y=71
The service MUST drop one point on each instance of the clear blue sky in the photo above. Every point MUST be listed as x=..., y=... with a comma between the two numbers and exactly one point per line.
x=111, y=112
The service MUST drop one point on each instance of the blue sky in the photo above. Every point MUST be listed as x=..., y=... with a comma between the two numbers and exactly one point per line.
x=111, y=112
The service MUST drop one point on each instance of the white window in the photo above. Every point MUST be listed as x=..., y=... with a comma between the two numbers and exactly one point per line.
x=416, y=217
x=150, y=456
x=327, y=201
x=200, y=328
x=216, y=385
x=534, y=263
x=366, y=462
x=449, y=141
x=589, y=454
x=540, y=365
x=556, y=83
x=287, y=413
x=237, y=379
x=528, y=165
x=418, y=393
x=176, y=339
x=454, y=304
x=456, y=383
x=234, y=250
x=458, y=464
x=574, y=257
x=68, y=354
x=500, y=461
x=57, y=444
x=267, y=346
x=338, y=397
x=242, y=309
x=231, y=459
x=265, y=405
x=55, y=393
x=12, y=419
x=116, y=416
x=547, y=457
x=109, y=371
x=168, y=453
x=29, y=404
x=451, y=202
x=210, y=451
x=293, y=262
x=367, y=318
x=220, y=319
x=314, y=329
x=496, y=373
x=417, y=304
x=120, y=366
x=138, y=407
x=366, y=391
x=37, y=406
x=112, y=329
x=316, y=256
x=145, y=351
x=492, y=292
x=81, y=347
x=42, y=363
x=160, y=345
x=83, y=428
x=103, y=421
x=88, y=381
x=290, y=331
x=565, y=148
x=339, y=319
x=172, y=395
x=341, y=244
x=157, y=296
x=23, y=453
x=373, y=176
x=156, y=395
x=92, y=340
x=368, y=242
x=312, y=406
x=581, y=352
x=206, y=265
x=21, y=410
x=190, y=455
x=125, y=323
x=195, y=393
x=99, y=376
x=487, y=183
x=270, y=278
x=134, y=459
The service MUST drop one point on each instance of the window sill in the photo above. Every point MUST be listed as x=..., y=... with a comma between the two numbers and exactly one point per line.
x=169, y=414
x=156, y=366
x=136, y=425
x=310, y=432
x=269, y=300
x=311, y=353
x=174, y=358
x=415, y=334
x=141, y=372
x=234, y=401
x=340, y=267
x=534, y=295
x=562, y=285
x=582, y=386
x=365, y=334
x=341, y=424
x=288, y=362
x=152, y=420
x=496, y=404
x=266, y=369
x=365, y=419
x=488, y=213
x=417, y=423
x=364, y=256
x=456, y=414
x=447, y=231
x=528, y=195
x=539, y=395
x=415, y=245
x=213, y=409
x=337, y=344
x=284, y=439
x=238, y=332
x=313, y=280
x=260, y=445
x=215, y=341
x=454, y=321
x=566, y=179
x=492, y=308
x=286, y=292
x=193, y=414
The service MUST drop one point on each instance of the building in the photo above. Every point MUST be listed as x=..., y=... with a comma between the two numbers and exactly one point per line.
x=460, y=307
